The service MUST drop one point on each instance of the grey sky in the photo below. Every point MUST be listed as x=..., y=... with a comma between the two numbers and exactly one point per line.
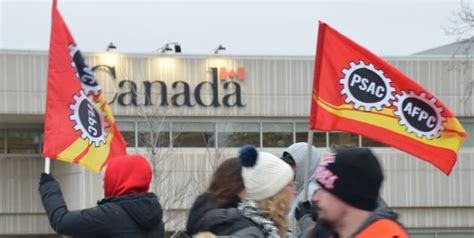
x=244, y=27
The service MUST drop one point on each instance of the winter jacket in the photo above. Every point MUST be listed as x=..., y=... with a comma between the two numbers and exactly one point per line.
x=132, y=215
x=251, y=231
x=298, y=152
x=207, y=214
x=230, y=222
x=382, y=212
x=381, y=224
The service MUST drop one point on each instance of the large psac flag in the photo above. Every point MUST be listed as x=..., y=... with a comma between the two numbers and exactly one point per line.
x=357, y=92
x=79, y=126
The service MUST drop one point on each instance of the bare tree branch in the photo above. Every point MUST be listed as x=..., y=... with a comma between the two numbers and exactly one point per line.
x=461, y=25
x=153, y=131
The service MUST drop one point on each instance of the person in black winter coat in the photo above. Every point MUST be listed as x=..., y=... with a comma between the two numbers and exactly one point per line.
x=224, y=191
x=128, y=209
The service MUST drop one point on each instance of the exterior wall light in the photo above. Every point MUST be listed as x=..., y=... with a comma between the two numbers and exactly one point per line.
x=111, y=47
x=219, y=48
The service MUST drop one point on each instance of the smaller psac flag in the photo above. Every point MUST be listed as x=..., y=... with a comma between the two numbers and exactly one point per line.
x=79, y=126
x=358, y=92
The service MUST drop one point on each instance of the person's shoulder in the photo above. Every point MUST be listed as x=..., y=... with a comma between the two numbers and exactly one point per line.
x=383, y=228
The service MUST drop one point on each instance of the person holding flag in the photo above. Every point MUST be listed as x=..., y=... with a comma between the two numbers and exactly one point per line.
x=128, y=209
x=80, y=128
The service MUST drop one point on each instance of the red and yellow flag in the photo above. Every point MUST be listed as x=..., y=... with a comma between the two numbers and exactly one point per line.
x=357, y=92
x=79, y=125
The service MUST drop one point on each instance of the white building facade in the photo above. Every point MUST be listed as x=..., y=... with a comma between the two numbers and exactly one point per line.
x=193, y=111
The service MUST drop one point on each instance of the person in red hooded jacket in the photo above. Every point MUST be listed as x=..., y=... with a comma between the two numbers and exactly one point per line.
x=128, y=209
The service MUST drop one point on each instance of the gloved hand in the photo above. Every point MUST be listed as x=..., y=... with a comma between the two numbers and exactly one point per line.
x=314, y=213
x=46, y=178
x=303, y=208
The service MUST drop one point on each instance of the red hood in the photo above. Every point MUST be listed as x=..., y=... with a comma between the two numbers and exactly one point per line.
x=127, y=175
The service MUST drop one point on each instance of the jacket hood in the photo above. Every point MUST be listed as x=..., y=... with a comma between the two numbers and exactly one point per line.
x=299, y=153
x=143, y=208
x=381, y=212
x=201, y=206
x=225, y=221
x=126, y=175
x=204, y=203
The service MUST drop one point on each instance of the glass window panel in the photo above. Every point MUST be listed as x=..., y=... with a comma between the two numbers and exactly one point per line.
x=455, y=235
x=343, y=139
x=366, y=142
x=23, y=141
x=469, y=128
x=422, y=235
x=156, y=131
x=238, y=134
x=127, y=129
x=2, y=141
x=277, y=134
x=319, y=137
x=193, y=134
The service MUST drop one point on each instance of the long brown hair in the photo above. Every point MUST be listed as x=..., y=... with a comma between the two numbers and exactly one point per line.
x=227, y=183
x=276, y=209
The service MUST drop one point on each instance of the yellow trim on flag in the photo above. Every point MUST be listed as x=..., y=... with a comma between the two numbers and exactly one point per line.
x=447, y=140
x=96, y=156
x=73, y=150
x=103, y=105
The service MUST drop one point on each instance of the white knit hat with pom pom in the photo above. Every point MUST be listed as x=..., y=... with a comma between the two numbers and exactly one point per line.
x=264, y=174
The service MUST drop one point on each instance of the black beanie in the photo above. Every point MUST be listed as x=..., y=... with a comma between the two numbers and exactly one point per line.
x=353, y=175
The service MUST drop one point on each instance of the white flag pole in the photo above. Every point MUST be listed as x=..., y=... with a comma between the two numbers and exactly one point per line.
x=47, y=165
x=308, y=164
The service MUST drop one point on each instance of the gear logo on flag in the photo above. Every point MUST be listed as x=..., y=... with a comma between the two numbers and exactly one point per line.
x=365, y=86
x=88, y=121
x=83, y=72
x=419, y=114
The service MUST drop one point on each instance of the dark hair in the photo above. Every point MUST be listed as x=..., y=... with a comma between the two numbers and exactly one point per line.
x=288, y=159
x=227, y=183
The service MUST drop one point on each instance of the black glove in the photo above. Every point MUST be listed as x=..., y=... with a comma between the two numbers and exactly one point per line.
x=314, y=213
x=46, y=178
x=303, y=208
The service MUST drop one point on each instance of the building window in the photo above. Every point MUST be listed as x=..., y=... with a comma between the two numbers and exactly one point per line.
x=238, y=134
x=455, y=235
x=153, y=132
x=422, y=235
x=127, y=129
x=2, y=141
x=319, y=137
x=24, y=141
x=277, y=134
x=193, y=135
x=341, y=138
x=469, y=128
x=366, y=142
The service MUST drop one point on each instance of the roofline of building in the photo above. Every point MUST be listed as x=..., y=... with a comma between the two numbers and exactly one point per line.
x=243, y=56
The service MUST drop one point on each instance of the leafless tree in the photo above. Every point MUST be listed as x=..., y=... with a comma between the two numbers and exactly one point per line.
x=157, y=141
x=461, y=25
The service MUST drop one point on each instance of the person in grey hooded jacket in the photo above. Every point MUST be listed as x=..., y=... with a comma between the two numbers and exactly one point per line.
x=296, y=155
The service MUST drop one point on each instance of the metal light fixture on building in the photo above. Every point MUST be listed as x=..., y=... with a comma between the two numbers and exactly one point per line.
x=219, y=48
x=167, y=47
x=111, y=47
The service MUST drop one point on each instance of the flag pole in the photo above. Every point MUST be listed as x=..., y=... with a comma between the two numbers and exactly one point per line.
x=308, y=164
x=47, y=165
